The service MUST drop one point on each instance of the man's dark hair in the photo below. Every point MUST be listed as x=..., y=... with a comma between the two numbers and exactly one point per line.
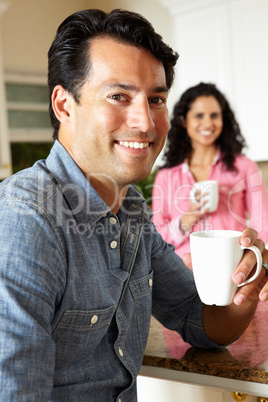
x=230, y=143
x=69, y=56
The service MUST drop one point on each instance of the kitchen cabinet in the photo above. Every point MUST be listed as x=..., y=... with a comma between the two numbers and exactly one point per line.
x=225, y=42
x=159, y=390
x=5, y=154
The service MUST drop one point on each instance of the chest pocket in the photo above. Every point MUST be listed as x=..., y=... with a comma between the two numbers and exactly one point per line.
x=141, y=290
x=84, y=329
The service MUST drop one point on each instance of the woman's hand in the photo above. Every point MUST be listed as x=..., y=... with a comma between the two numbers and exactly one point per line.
x=195, y=213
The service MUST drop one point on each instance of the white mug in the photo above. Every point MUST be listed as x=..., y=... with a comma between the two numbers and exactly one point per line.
x=211, y=190
x=215, y=256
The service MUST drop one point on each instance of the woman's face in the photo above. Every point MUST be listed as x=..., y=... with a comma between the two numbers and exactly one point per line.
x=203, y=121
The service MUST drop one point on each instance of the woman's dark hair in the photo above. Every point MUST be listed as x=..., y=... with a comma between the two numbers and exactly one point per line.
x=69, y=56
x=230, y=142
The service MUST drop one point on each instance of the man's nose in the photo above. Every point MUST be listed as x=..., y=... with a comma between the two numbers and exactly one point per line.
x=140, y=116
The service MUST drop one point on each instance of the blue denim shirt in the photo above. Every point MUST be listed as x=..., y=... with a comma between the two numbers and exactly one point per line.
x=78, y=287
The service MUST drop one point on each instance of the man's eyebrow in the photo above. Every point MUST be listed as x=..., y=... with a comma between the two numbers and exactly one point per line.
x=129, y=87
x=160, y=89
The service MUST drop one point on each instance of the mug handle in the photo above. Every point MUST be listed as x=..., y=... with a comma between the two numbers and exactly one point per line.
x=259, y=264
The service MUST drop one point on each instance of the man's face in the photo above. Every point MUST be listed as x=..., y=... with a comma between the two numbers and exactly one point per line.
x=120, y=124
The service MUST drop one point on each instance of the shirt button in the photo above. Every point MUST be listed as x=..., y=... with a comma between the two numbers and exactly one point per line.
x=94, y=319
x=113, y=244
x=150, y=282
x=112, y=220
x=121, y=352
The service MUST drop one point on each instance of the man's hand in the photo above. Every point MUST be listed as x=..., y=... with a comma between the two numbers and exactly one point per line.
x=258, y=289
x=224, y=324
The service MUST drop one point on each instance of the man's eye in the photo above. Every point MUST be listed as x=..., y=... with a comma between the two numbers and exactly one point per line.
x=118, y=97
x=157, y=101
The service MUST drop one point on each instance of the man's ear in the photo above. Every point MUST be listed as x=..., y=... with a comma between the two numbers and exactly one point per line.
x=62, y=103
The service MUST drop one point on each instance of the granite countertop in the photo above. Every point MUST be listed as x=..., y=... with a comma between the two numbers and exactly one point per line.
x=245, y=360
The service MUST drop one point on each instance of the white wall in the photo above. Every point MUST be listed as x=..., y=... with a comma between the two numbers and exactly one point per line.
x=28, y=26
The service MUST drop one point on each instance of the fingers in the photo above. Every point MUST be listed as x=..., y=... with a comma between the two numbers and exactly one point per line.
x=248, y=237
x=196, y=209
x=199, y=195
x=264, y=291
x=248, y=262
x=252, y=291
x=191, y=217
x=259, y=287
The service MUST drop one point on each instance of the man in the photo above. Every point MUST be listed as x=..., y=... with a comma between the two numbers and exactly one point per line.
x=82, y=267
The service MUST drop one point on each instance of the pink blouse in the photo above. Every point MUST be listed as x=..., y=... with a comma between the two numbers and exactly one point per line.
x=243, y=201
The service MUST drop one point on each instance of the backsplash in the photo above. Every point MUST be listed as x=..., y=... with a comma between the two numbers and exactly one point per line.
x=264, y=168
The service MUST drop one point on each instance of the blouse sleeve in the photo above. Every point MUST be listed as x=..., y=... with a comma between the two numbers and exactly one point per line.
x=256, y=199
x=166, y=222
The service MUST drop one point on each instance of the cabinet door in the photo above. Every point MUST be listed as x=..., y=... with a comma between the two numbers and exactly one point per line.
x=5, y=155
x=202, y=38
x=250, y=56
x=226, y=43
x=159, y=390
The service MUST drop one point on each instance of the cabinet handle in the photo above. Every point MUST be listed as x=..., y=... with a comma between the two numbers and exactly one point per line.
x=260, y=399
x=237, y=396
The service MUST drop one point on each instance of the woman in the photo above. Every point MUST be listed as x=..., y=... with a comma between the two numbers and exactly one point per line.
x=205, y=143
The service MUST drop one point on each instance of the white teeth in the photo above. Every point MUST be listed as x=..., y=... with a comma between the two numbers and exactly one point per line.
x=206, y=132
x=136, y=145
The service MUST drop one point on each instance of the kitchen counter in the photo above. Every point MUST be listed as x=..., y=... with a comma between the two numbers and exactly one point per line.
x=241, y=367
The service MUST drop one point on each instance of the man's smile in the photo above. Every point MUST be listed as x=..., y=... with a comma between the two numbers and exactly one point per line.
x=134, y=144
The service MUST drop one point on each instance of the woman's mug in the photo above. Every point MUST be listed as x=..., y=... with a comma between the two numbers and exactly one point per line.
x=210, y=190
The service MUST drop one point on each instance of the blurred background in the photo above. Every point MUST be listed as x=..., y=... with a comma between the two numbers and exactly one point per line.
x=219, y=41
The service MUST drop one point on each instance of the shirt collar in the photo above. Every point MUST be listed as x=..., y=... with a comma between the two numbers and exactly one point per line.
x=83, y=199
x=186, y=168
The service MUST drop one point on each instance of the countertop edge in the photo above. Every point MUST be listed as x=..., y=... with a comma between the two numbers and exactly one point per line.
x=208, y=381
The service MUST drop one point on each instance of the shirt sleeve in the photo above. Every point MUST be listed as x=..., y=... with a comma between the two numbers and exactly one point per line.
x=176, y=303
x=31, y=282
x=166, y=224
